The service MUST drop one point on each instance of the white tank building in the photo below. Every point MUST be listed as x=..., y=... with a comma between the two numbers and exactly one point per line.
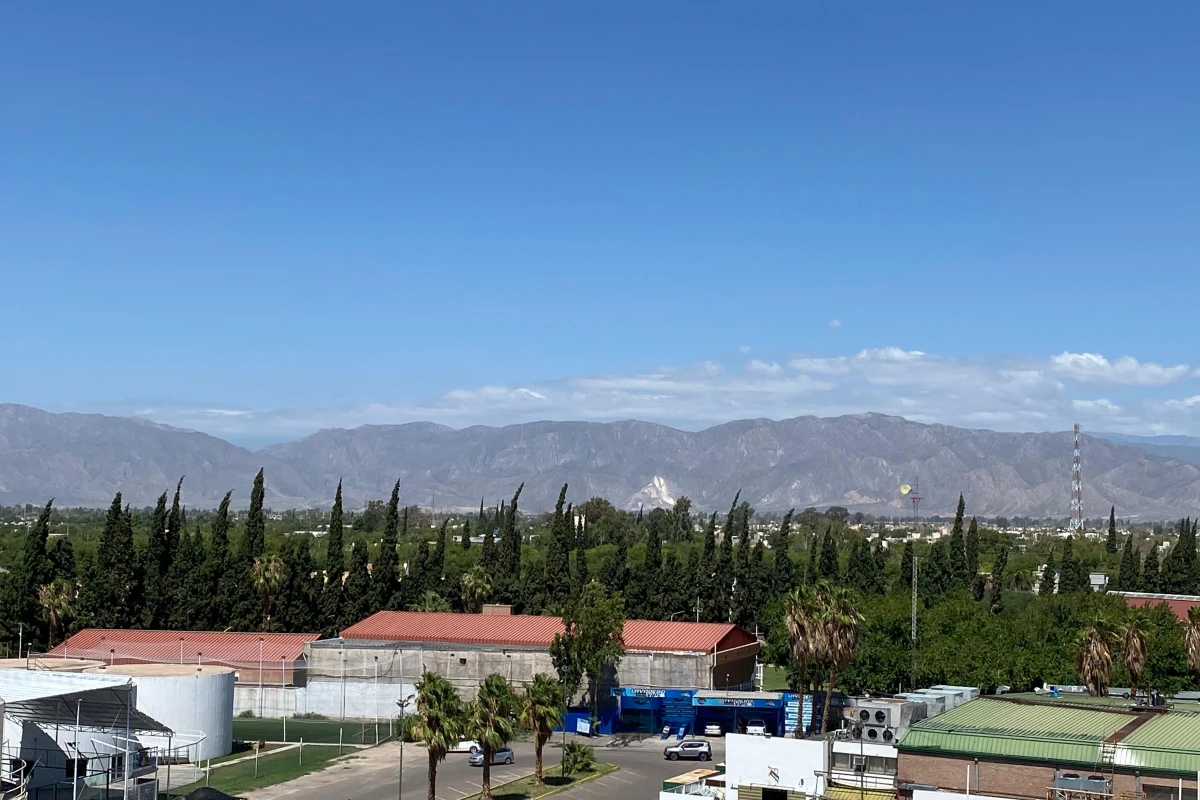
x=195, y=702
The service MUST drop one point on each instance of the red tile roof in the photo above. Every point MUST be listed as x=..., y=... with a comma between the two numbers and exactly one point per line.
x=1179, y=603
x=231, y=648
x=521, y=630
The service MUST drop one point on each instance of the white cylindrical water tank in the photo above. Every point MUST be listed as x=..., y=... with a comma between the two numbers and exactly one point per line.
x=195, y=702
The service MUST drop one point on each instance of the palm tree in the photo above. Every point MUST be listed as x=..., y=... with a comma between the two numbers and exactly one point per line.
x=490, y=723
x=800, y=608
x=439, y=721
x=56, y=599
x=1134, y=633
x=476, y=589
x=1095, y=656
x=541, y=712
x=1191, y=639
x=838, y=625
x=267, y=573
x=430, y=601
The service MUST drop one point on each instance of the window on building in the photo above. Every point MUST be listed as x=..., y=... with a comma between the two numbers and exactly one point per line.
x=118, y=766
x=881, y=765
x=774, y=794
x=842, y=761
x=75, y=767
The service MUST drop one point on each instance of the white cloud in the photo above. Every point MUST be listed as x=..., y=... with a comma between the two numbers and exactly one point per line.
x=744, y=348
x=1006, y=394
x=835, y=323
x=756, y=367
x=1125, y=371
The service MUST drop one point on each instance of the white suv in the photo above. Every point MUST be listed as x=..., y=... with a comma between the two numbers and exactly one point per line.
x=756, y=727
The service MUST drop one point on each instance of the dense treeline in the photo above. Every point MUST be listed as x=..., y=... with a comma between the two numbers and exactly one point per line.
x=979, y=621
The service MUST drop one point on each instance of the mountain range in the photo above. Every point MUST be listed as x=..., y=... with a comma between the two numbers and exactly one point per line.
x=855, y=461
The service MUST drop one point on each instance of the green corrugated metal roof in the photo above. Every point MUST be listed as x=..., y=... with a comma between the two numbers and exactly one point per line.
x=1170, y=743
x=1014, y=730
x=1059, y=734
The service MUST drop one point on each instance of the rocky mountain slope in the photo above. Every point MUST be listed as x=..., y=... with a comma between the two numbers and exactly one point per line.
x=855, y=461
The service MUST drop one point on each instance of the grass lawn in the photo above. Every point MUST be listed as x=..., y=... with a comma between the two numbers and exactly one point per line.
x=526, y=789
x=774, y=679
x=237, y=779
x=246, y=750
x=317, y=731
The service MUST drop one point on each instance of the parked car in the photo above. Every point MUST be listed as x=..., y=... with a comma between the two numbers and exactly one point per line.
x=712, y=729
x=466, y=746
x=756, y=727
x=502, y=756
x=689, y=748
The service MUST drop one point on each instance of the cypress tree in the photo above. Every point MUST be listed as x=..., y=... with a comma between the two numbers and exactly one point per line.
x=1111, y=544
x=488, y=555
x=36, y=571
x=828, y=569
x=437, y=559
x=782, y=578
x=1179, y=567
x=219, y=548
x=116, y=570
x=722, y=587
x=558, y=553
x=1150, y=573
x=936, y=578
x=255, y=542
x=996, y=595
x=583, y=575
x=857, y=571
x=1049, y=573
x=335, y=566
x=879, y=570
x=157, y=564
x=465, y=540
x=357, y=595
x=972, y=548
x=1067, y=572
x=1129, y=579
x=617, y=573
x=651, y=587
x=812, y=574
x=758, y=580
x=386, y=569
x=741, y=567
x=710, y=539
x=297, y=602
x=188, y=583
x=960, y=577
x=906, y=565
x=174, y=522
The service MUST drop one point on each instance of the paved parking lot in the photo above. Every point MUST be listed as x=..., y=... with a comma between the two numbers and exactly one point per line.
x=372, y=774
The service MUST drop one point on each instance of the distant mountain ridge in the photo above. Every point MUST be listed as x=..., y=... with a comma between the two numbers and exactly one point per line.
x=856, y=461
x=1185, y=448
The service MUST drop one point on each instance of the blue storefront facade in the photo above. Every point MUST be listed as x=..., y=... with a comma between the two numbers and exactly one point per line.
x=690, y=711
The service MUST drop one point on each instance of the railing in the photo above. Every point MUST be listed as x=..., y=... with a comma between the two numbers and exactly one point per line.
x=1059, y=793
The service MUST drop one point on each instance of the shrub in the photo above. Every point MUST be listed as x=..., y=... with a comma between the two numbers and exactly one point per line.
x=578, y=758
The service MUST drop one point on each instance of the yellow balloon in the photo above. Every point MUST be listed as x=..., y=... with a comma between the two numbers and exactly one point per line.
x=905, y=488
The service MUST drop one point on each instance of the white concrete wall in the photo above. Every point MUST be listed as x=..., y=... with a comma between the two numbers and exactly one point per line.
x=794, y=764
x=332, y=699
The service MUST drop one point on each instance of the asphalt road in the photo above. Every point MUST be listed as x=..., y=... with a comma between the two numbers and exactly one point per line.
x=373, y=775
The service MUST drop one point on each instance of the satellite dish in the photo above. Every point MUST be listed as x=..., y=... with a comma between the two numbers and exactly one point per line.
x=905, y=488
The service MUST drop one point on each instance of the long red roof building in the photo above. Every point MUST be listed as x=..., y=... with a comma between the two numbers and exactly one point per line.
x=519, y=630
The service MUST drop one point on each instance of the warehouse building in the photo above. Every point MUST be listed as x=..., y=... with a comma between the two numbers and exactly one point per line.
x=1054, y=749
x=1179, y=604
x=369, y=665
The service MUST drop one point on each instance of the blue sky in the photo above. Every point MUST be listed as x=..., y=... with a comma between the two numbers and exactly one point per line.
x=258, y=220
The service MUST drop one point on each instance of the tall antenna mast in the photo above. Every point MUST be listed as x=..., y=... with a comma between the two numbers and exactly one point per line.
x=1076, y=525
